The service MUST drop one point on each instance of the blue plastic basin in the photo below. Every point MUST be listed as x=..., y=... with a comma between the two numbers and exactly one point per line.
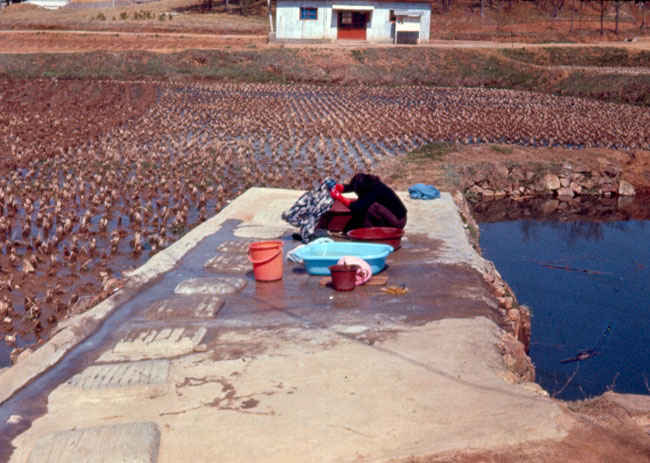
x=318, y=257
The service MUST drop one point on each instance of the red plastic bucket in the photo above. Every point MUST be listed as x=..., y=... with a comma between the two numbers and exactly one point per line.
x=266, y=257
x=343, y=276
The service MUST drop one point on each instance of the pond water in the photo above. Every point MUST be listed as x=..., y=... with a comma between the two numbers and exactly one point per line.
x=588, y=285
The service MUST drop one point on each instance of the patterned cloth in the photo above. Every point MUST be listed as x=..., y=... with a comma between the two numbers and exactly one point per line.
x=309, y=208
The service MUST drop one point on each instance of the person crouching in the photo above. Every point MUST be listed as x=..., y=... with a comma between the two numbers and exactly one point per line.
x=376, y=204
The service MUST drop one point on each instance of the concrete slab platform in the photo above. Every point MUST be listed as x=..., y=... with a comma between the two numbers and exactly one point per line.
x=293, y=371
x=152, y=343
x=132, y=442
x=184, y=307
x=116, y=375
x=208, y=285
x=229, y=263
x=333, y=395
x=239, y=246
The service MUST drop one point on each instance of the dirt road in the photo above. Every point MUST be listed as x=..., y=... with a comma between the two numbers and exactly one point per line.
x=44, y=41
x=87, y=41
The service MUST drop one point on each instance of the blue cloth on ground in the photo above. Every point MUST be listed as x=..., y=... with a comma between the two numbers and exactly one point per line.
x=423, y=191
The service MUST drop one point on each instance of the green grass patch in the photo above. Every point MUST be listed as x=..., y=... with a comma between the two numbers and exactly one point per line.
x=435, y=151
x=359, y=56
x=501, y=149
x=609, y=87
x=584, y=56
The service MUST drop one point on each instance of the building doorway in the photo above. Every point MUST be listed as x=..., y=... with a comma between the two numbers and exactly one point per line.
x=352, y=25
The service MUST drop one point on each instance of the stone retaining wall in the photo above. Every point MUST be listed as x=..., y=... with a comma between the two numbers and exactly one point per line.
x=513, y=317
x=488, y=181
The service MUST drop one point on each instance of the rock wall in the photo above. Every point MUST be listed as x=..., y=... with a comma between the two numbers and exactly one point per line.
x=513, y=317
x=509, y=179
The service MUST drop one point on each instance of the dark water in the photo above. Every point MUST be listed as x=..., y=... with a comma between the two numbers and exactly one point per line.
x=580, y=277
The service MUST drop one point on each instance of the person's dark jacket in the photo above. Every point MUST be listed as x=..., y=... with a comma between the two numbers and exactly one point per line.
x=370, y=189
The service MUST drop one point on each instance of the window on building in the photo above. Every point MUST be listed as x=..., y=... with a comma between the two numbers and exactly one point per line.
x=346, y=17
x=308, y=13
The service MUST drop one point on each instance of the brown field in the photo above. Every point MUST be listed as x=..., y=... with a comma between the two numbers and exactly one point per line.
x=162, y=16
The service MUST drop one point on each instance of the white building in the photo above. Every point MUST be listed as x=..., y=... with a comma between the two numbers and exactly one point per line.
x=49, y=4
x=374, y=21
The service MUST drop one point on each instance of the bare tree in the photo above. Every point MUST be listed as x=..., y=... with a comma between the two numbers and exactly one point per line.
x=642, y=8
x=572, y=8
x=617, y=7
x=557, y=7
x=603, y=10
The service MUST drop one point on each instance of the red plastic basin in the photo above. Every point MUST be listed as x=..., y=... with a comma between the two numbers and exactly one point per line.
x=386, y=235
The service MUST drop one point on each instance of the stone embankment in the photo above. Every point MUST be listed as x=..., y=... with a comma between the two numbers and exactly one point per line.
x=514, y=318
x=568, y=180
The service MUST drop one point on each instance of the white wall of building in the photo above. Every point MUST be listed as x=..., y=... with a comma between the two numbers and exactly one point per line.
x=289, y=25
x=49, y=4
x=379, y=29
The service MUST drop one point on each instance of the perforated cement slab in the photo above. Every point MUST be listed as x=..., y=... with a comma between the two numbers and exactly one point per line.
x=229, y=263
x=130, y=442
x=207, y=285
x=184, y=307
x=265, y=232
x=148, y=343
x=235, y=246
x=117, y=375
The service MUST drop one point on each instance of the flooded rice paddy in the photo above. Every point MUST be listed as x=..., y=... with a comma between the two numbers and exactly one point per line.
x=86, y=194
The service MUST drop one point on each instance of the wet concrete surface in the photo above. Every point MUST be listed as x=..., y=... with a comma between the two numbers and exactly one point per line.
x=435, y=291
x=250, y=322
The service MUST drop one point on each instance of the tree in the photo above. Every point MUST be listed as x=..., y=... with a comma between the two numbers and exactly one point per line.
x=572, y=8
x=603, y=9
x=617, y=7
x=557, y=7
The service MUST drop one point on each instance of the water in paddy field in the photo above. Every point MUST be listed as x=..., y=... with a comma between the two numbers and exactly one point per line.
x=588, y=285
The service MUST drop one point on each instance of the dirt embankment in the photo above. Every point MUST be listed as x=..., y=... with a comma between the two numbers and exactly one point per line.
x=460, y=167
x=612, y=427
x=368, y=66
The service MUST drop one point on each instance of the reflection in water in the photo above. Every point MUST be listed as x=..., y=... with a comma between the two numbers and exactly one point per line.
x=582, y=279
x=571, y=232
x=270, y=294
x=579, y=209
